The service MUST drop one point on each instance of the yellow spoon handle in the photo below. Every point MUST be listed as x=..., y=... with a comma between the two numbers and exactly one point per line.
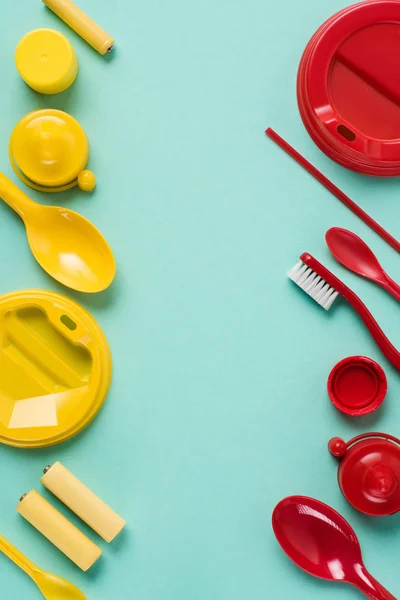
x=17, y=557
x=16, y=199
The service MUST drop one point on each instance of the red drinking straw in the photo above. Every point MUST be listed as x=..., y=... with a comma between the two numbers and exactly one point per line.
x=357, y=210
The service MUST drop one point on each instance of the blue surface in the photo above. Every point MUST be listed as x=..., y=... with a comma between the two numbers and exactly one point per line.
x=218, y=406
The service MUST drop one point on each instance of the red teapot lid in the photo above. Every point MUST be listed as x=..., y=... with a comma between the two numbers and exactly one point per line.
x=369, y=474
x=348, y=87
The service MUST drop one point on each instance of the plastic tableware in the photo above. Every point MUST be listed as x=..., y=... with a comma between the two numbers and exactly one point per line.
x=369, y=472
x=322, y=543
x=51, y=587
x=353, y=253
x=46, y=61
x=357, y=385
x=49, y=151
x=55, y=368
x=64, y=243
x=348, y=90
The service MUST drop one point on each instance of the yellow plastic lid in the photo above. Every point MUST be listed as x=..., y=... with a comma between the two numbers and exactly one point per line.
x=55, y=368
x=46, y=61
x=49, y=148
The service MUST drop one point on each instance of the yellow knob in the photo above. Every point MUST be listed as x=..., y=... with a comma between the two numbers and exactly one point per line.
x=86, y=181
x=46, y=61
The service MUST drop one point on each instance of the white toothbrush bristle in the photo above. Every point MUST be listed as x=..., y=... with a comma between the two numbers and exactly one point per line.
x=314, y=285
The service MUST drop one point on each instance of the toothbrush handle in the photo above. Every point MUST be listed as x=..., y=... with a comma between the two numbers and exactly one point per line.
x=391, y=353
x=16, y=556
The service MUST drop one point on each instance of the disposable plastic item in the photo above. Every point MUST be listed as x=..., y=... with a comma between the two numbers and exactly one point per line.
x=353, y=253
x=65, y=244
x=357, y=385
x=51, y=586
x=55, y=368
x=322, y=543
x=324, y=287
x=49, y=151
x=46, y=61
x=333, y=189
x=348, y=87
x=369, y=472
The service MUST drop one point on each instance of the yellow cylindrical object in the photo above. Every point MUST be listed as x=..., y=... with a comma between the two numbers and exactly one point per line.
x=83, y=502
x=82, y=24
x=46, y=61
x=58, y=530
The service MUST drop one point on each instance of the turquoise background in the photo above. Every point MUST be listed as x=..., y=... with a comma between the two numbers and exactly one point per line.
x=218, y=406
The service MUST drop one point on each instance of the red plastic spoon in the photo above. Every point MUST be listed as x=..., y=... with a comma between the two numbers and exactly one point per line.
x=353, y=253
x=321, y=542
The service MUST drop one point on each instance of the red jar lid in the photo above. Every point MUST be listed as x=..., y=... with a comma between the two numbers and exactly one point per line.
x=369, y=477
x=348, y=87
x=357, y=385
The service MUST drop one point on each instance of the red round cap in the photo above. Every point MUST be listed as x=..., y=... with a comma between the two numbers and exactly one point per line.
x=348, y=87
x=357, y=385
x=369, y=477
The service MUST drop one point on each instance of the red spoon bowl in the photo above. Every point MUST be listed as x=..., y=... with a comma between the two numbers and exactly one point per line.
x=354, y=254
x=322, y=543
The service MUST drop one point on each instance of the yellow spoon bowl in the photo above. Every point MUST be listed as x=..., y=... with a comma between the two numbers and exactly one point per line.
x=64, y=243
x=51, y=587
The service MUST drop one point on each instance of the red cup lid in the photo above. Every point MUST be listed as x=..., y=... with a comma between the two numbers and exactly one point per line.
x=357, y=385
x=369, y=477
x=349, y=89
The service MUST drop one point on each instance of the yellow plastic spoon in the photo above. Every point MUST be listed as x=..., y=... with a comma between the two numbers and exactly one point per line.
x=64, y=243
x=52, y=587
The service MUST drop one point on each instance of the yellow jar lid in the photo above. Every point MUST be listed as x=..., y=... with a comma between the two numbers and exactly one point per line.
x=50, y=148
x=46, y=61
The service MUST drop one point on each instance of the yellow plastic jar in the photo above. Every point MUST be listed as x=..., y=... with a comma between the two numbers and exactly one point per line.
x=46, y=61
x=49, y=151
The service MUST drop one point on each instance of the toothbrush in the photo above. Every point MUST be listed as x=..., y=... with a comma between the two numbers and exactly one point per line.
x=324, y=288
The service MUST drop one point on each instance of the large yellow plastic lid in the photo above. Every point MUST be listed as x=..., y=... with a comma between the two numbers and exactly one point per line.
x=49, y=149
x=46, y=61
x=55, y=368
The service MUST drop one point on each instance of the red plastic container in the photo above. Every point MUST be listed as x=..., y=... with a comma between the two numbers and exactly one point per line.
x=369, y=472
x=357, y=385
x=348, y=87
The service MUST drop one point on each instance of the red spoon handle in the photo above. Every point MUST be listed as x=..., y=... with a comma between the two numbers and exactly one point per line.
x=392, y=287
x=372, y=588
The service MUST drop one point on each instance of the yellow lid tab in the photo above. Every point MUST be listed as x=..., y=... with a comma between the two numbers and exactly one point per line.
x=46, y=61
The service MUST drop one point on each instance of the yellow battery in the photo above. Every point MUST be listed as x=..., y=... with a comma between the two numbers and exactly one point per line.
x=58, y=530
x=82, y=24
x=82, y=501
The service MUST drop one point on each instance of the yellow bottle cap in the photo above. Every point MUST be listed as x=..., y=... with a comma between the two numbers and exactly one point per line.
x=49, y=151
x=46, y=61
